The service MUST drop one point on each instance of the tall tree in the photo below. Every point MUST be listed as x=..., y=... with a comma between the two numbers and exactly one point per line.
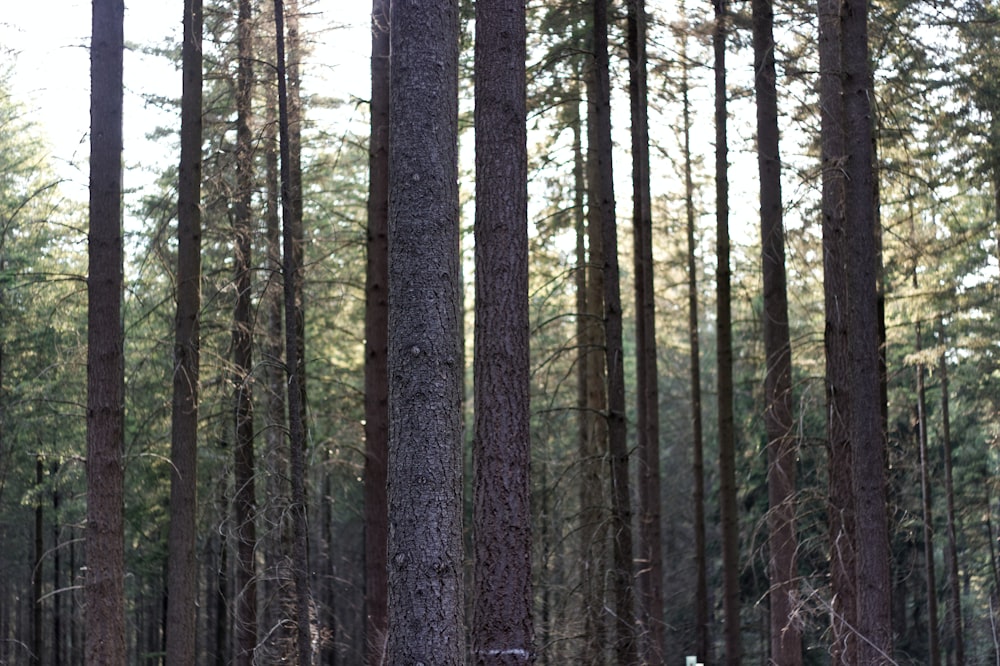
x=786, y=635
x=954, y=591
x=502, y=627
x=873, y=580
x=376, y=345
x=425, y=343
x=602, y=203
x=182, y=579
x=650, y=555
x=244, y=496
x=836, y=337
x=724, y=351
x=105, y=578
x=291, y=272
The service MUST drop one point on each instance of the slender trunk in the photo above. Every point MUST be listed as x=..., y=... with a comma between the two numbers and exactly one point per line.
x=425, y=345
x=105, y=577
x=954, y=591
x=377, y=343
x=36, y=570
x=650, y=576
x=182, y=580
x=702, y=642
x=502, y=628
x=593, y=516
x=58, y=639
x=873, y=579
x=786, y=635
x=292, y=269
x=724, y=351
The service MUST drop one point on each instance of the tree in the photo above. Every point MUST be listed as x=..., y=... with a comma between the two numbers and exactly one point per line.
x=786, y=635
x=244, y=466
x=724, y=351
x=182, y=581
x=650, y=576
x=425, y=344
x=502, y=628
x=105, y=579
x=873, y=580
x=376, y=345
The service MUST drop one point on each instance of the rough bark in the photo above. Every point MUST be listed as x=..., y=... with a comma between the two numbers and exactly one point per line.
x=785, y=628
x=291, y=271
x=425, y=343
x=105, y=578
x=182, y=579
x=873, y=580
x=840, y=492
x=244, y=496
x=724, y=353
x=650, y=551
x=502, y=627
x=376, y=346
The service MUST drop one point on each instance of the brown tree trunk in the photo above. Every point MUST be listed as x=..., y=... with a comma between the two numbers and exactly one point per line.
x=836, y=336
x=786, y=635
x=105, y=577
x=182, y=579
x=603, y=203
x=724, y=352
x=502, y=628
x=376, y=346
x=933, y=633
x=702, y=642
x=36, y=569
x=873, y=579
x=954, y=591
x=650, y=555
x=244, y=497
x=425, y=553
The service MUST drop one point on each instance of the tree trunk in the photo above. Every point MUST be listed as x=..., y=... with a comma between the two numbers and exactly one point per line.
x=58, y=638
x=873, y=579
x=786, y=635
x=954, y=591
x=36, y=569
x=650, y=576
x=244, y=497
x=105, y=577
x=502, y=628
x=376, y=343
x=425, y=344
x=933, y=635
x=182, y=579
x=724, y=351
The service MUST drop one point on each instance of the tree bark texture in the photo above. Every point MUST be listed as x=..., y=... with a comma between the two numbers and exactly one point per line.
x=105, y=577
x=933, y=630
x=182, y=581
x=786, y=633
x=377, y=346
x=291, y=270
x=873, y=579
x=650, y=552
x=954, y=589
x=502, y=627
x=724, y=353
x=425, y=345
x=244, y=496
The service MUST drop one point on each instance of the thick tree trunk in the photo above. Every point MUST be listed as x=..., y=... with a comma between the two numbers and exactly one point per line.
x=105, y=577
x=425, y=345
x=786, y=635
x=376, y=346
x=724, y=352
x=182, y=579
x=292, y=270
x=836, y=336
x=954, y=590
x=873, y=579
x=502, y=627
x=244, y=497
x=650, y=555
x=702, y=642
